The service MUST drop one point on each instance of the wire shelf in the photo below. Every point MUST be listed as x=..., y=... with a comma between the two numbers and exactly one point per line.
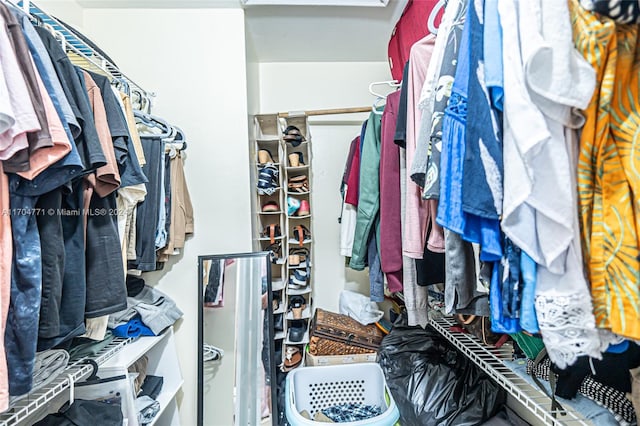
x=490, y=361
x=72, y=43
x=76, y=371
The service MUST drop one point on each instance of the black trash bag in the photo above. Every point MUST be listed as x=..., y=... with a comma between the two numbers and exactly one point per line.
x=434, y=384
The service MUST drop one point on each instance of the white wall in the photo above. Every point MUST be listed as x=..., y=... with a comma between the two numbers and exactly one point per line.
x=295, y=86
x=67, y=10
x=195, y=60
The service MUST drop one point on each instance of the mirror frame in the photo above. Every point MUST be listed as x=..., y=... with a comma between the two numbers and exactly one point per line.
x=269, y=312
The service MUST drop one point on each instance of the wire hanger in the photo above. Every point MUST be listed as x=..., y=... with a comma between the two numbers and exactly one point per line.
x=431, y=21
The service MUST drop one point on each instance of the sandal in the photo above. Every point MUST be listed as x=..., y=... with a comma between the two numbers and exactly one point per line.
x=270, y=207
x=278, y=322
x=296, y=331
x=272, y=231
x=305, y=209
x=293, y=204
x=275, y=304
x=264, y=157
x=298, y=184
x=301, y=234
x=276, y=251
x=296, y=159
x=267, y=179
x=297, y=305
x=298, y=279
x=292, y=134
x=298, y=256
x=292, y=358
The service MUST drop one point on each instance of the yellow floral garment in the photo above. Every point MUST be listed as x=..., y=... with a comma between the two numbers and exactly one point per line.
x=609, y=170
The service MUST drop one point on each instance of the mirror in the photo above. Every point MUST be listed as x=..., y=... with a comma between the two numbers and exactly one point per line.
x=235, y=335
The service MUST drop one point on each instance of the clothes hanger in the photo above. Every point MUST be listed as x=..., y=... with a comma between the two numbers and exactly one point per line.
x=153, y=121
x=431, y=21
x=390, y=83
x=122, y=85
x=376, y=108
x=180, y=140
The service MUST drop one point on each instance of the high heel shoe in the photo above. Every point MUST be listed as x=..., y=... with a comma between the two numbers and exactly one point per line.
x=297, y=305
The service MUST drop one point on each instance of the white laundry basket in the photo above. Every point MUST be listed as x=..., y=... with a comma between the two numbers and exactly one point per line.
x=315, y=388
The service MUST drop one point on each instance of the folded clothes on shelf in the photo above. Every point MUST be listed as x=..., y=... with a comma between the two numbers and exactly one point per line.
x=156, y=310
x=132, y=328
x=152, y=386
x=147, y=408
x=82, y=347
x=610, y=398
x=85, y=413
x=588, y=409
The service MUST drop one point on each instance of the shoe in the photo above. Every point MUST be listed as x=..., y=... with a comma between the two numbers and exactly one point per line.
x=276, y=251
x=305, y=208
x=299, y=278
x=275, y=301
x=278, y=322
x=297, y=305
x=298, y=257
x=292, y=358
x=296, y=159
x=301, y=234
x=271, y=231
x=296, y=331
x=270, y=207
x=267, y=179
x=298, y=184
x=292, y=135
x=293, y=204
x=264, y=157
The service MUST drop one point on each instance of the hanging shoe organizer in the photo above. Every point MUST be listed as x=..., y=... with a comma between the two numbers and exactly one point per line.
x=281, y=165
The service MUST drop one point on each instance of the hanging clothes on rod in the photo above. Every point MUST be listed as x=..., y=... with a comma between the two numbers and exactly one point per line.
x=71, y=169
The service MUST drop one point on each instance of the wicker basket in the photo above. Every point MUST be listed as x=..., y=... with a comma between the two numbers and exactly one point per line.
x=337, y=334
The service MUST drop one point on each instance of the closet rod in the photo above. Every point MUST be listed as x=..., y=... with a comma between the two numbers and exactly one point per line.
x=332, y=111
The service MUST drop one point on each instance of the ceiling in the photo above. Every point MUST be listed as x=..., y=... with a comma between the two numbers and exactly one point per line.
x=321, y=34
x=299, y=33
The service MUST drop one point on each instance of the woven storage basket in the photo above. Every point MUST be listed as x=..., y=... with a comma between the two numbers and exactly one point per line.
x=337, y=334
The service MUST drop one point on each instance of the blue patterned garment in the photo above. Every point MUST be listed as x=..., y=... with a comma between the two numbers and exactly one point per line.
x=450, y=214
x=493, y=72
x=453, y=196
x=446, y=75
x=351, y=412
x=500, y=323
x=482, y=170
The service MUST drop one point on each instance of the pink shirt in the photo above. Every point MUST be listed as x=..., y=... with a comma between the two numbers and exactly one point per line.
x=42, y=158
x=417, y=210
x=6, y=250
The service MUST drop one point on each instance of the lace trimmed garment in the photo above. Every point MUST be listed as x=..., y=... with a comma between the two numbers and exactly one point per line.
x=608, y=170
x=545, y=80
